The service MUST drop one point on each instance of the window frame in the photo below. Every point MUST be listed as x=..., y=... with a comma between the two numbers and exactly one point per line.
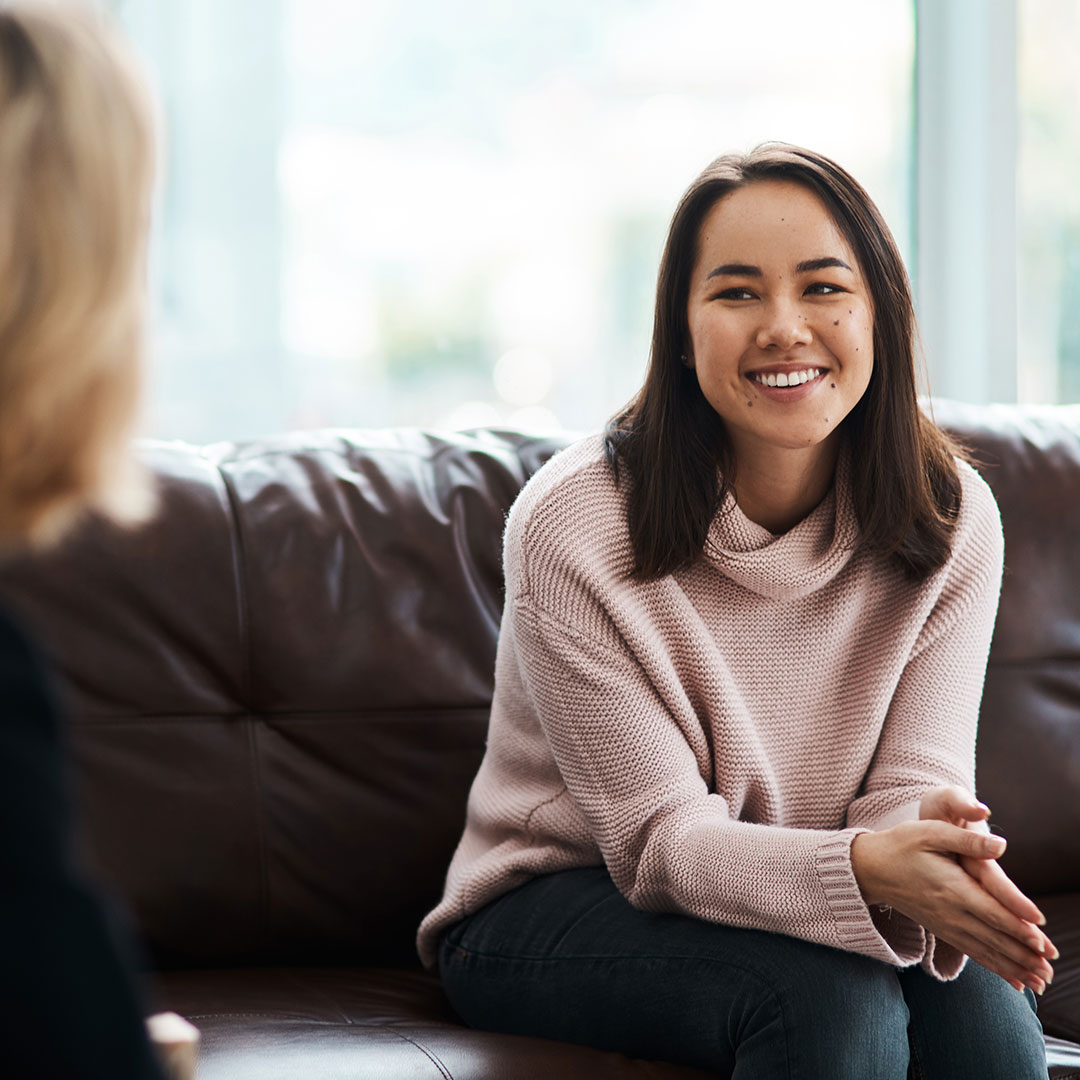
x=965, y=211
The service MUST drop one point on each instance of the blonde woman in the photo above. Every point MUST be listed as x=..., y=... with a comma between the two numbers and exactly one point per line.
x=76, y=166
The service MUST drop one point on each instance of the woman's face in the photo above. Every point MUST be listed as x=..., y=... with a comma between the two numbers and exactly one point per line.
x=780, y=317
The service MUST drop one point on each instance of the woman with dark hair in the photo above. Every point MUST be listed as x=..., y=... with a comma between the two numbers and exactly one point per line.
x=726, y=815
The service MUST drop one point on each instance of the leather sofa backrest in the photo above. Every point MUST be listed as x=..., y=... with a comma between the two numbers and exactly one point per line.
x=280, y=687
x=1028, y=757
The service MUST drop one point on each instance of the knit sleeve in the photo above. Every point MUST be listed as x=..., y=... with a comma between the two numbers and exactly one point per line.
x=669, y=843
x=928, y=739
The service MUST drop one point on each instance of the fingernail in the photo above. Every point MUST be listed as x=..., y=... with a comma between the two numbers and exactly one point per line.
x=982, y=806
x=1053, y=954
x=1037, y=945
x=995, y=845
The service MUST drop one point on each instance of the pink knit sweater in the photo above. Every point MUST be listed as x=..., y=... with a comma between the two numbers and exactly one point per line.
x=718, y=737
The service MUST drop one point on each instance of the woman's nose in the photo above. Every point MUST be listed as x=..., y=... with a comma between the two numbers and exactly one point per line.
x=782, y=326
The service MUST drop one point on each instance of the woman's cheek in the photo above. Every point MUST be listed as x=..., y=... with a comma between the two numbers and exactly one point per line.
x=851, y=338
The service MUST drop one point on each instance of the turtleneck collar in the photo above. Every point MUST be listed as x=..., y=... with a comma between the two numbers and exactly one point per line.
x=791, y=564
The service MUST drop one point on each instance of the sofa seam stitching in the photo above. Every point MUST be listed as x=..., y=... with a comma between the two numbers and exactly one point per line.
x=246, y=689
x=430, y=1055
x=311, y=715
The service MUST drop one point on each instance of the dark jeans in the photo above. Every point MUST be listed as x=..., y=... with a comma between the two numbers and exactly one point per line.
x=566, y=957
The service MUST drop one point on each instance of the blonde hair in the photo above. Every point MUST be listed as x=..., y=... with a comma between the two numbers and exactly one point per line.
x=76, y=173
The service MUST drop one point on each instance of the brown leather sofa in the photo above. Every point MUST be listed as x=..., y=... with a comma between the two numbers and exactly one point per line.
x=279, y=692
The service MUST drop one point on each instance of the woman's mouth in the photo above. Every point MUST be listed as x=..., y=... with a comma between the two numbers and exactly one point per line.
x=788, y=387
x=786, y=378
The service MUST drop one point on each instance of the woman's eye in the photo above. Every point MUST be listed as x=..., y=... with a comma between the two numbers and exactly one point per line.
x=824, y=288
x=735, y=294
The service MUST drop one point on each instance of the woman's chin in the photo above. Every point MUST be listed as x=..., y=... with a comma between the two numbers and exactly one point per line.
x=801, y=438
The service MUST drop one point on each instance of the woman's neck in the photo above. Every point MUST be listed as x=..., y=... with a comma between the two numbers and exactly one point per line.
x=776, y=487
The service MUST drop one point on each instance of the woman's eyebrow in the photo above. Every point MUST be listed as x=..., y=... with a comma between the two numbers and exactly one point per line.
x=805, y=267
x=736, y=269
x=820, y=264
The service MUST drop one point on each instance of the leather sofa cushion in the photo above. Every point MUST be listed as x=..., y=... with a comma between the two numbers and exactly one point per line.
x=279, y=1024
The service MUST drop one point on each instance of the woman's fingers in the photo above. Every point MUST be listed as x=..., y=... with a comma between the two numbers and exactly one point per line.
x=1005, y=943
x=999, y=952
x=952, y=804
x=988, y=873
x=955, y=840
x=1016, y=975
x=997, y=883
x=1025, y=941
x=982, y=917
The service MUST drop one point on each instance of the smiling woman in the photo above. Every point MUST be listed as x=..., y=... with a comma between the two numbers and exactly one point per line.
x=791, y=334
x=800, y=215
x=731, y=751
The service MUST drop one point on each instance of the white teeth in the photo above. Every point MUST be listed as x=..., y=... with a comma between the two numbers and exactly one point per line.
x=790, y=378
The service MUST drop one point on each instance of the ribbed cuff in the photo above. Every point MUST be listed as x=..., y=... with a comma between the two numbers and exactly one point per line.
x=942, y=960
x=890, y=937
x=904, y=936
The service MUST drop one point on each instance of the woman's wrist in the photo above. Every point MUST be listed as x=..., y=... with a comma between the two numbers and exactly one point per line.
x=864, y=865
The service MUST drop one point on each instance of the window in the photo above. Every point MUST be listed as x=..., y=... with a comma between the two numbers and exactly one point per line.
x=438, y=214
x=1049, y=201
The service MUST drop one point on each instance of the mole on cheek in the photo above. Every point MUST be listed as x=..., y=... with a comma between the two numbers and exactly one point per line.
x=749, y=403
x=833, y=385
x=837, y=323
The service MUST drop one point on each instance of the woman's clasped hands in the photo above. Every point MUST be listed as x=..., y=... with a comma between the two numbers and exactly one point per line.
x=942, y=872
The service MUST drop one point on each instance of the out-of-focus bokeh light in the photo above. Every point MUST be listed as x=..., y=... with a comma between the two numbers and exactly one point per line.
x=522, y=376
x=373, y=206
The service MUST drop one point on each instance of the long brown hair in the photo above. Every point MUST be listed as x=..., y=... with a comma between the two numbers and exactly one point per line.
x=674, y=447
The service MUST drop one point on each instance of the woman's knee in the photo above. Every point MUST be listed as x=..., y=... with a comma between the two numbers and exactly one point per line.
x=975, y=1026
x=843, y=1015
x=671, y=987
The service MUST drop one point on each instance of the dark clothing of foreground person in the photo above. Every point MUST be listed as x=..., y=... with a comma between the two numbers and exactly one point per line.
x=68, y=1002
